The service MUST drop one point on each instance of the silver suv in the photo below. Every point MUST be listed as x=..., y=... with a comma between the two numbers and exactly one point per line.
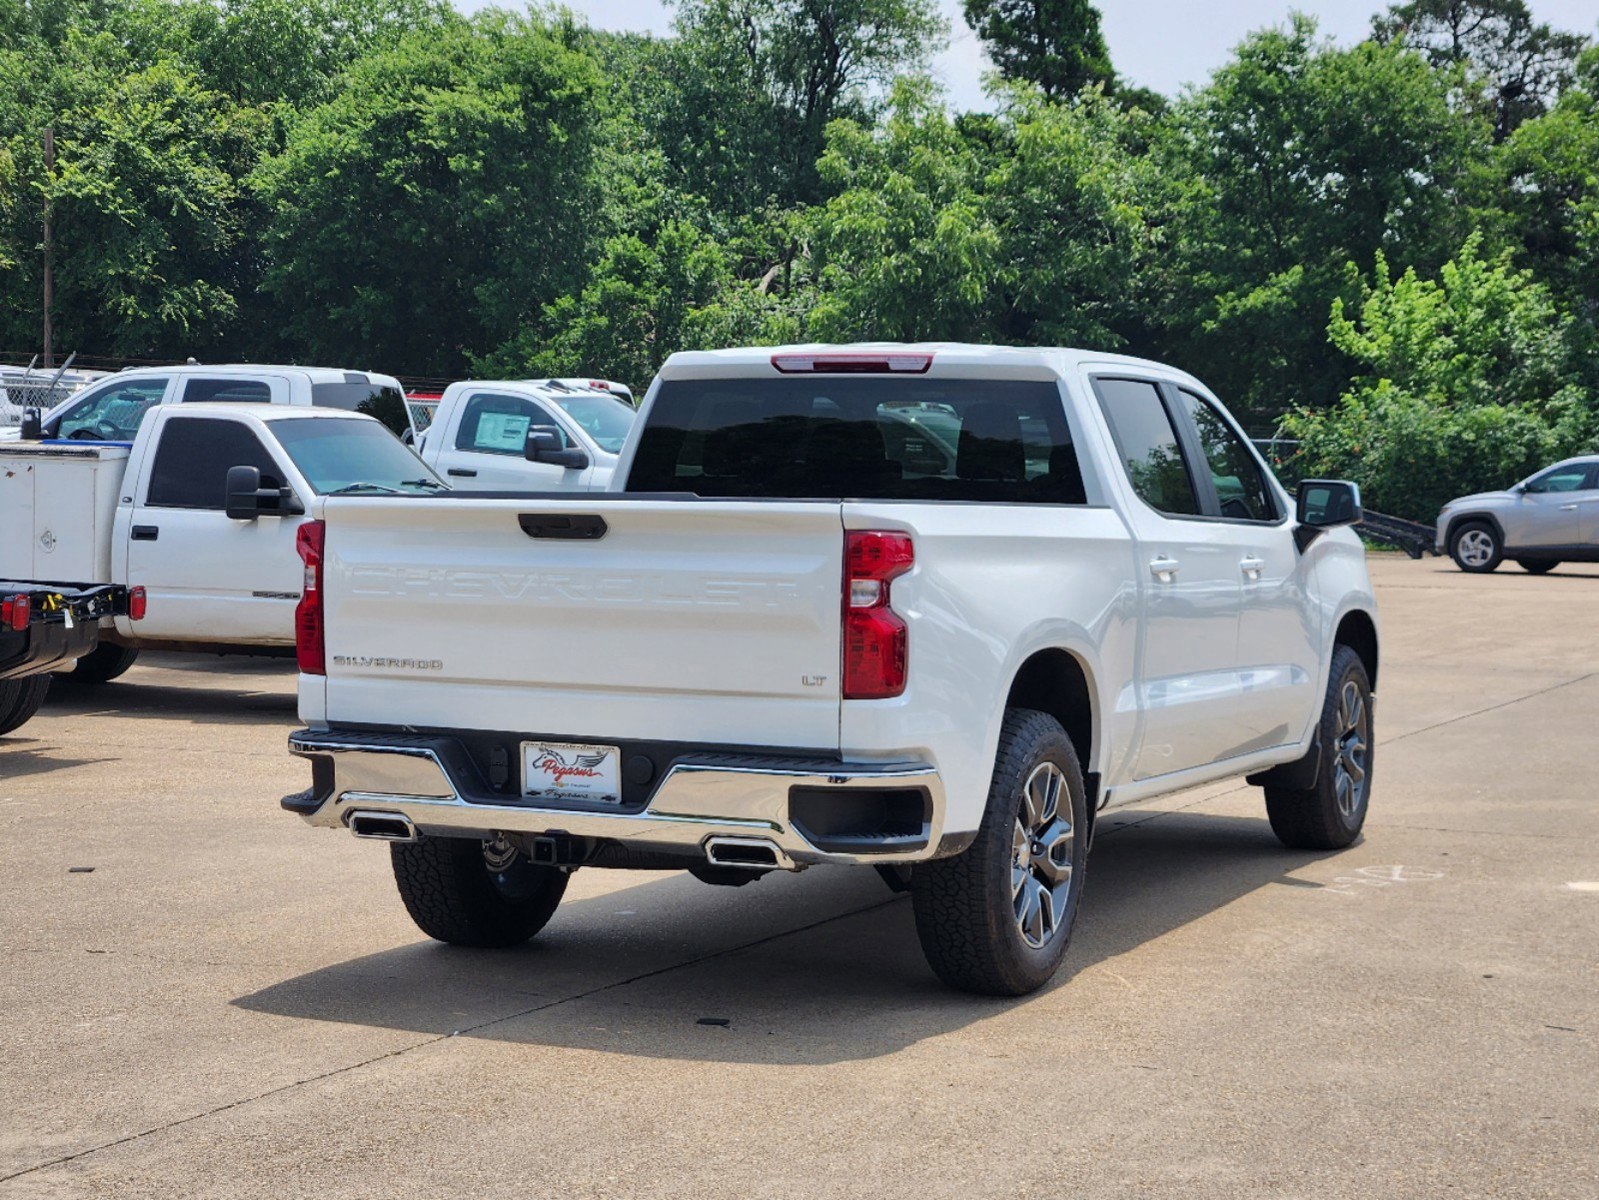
x=1541, y=522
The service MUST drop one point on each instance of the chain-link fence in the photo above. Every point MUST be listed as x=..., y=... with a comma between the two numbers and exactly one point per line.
x=19, y=391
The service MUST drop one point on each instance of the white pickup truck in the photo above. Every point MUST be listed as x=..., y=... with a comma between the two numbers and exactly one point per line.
x=926, y=608
x=111, y=409
x=540, y=435
x=201, y=511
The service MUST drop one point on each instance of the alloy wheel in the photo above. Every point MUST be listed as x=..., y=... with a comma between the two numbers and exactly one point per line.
x=1350, y=749
x=1476, y=548
x=1041, y=856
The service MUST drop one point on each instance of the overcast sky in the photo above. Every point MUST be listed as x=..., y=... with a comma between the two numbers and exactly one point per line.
x=1161, y=44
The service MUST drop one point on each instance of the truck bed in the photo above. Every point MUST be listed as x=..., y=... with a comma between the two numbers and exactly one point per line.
x=63, y=624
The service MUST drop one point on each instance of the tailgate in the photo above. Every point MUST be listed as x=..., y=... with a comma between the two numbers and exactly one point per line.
x=714, y=622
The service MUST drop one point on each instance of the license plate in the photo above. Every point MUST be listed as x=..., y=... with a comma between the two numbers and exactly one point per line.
x=564, y=771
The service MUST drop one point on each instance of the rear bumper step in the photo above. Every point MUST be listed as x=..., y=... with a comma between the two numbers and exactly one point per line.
x=715, y=806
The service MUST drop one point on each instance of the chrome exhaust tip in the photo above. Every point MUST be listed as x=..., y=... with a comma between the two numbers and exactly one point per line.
x=747, y=853
x=381, y=826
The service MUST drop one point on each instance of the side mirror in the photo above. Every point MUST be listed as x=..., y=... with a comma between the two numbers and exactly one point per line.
x=248, y=497
x=32, y=425
x=544, y=446
x=1325, y=504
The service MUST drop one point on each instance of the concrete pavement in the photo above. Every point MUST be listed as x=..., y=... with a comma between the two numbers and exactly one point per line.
x=231, y=1004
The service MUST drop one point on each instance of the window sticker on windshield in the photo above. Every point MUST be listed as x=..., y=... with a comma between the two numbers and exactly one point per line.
x=502, y=431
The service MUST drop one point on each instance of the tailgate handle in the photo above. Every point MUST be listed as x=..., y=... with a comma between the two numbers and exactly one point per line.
x=146, y=533
x=580, y=527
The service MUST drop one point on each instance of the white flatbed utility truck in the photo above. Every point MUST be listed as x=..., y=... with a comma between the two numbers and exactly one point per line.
x=923, y=608
x=201, y=511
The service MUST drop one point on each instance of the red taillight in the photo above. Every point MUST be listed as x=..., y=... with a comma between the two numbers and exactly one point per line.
x=853, y=364
x=138, y=604
x=14, y=612
x=874, y=634
x=310, y=647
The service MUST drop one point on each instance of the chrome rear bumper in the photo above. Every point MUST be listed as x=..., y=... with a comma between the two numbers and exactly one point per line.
x=698, y=798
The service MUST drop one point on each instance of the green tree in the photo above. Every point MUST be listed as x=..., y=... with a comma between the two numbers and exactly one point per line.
x=440, y=200
x=1296, y=158
x=149, y=217
x=1056, y=44
x=1550, y=192
x=635, y=310
x=755, y=84
x=1465, y=384
x=1522, y=65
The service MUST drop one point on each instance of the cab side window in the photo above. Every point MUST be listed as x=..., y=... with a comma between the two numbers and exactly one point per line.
x=493, y=424
x=1573, y=477
x=234, y=391
x=192, y=462
x=1147, y=444
x=113, y=413
x=1241, y=488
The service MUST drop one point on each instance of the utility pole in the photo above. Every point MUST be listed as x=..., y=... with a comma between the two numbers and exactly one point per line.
x=49, y=271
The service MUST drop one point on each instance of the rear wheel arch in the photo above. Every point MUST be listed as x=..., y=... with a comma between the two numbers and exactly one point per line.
x=1058, y=682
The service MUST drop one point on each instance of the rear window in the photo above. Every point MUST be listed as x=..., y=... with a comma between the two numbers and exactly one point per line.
x=878, y=438
x=355, y=394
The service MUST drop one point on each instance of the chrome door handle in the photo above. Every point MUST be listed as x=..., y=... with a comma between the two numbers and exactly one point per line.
x=1568, y=508
x=1164, y=569
x=1252, y=566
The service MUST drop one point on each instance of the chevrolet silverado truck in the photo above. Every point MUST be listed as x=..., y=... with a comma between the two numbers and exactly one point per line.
x=928, y=609
x=45, y=629
x=201, y=510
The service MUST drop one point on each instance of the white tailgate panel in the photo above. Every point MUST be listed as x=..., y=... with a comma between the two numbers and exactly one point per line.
x=711, y=621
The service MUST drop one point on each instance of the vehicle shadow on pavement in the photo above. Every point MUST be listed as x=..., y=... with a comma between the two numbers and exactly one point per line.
x=828, y=970
x=38, y=759
x=162, y=702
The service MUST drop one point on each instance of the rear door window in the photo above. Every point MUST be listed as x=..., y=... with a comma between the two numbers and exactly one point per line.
x=873, y=438
x=497, y=424
x=234, y=391
x=1146, y=441
x=193, y=458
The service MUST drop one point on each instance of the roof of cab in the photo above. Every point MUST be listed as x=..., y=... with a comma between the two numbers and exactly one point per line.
x=314, y=374
x=944, y=354
x=263, y=412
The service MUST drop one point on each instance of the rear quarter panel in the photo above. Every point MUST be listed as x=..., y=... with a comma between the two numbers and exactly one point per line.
x=993, y=585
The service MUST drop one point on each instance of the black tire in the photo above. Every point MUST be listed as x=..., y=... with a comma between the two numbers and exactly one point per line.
x=455, y=895
x=968, y=907
x=104, y=663
x=1320, y=817
x=1466, y=542
x=1537, y=566
x=20, y=699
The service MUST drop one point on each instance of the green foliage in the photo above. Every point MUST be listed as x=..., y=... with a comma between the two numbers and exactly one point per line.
x=755, y=84
x=1297, y=158
x=389, y=183
x=1466, y=385
x=635, y=310
x=440, y=201
x=150, y=218
x=1056, y=44
x=1520, y=66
